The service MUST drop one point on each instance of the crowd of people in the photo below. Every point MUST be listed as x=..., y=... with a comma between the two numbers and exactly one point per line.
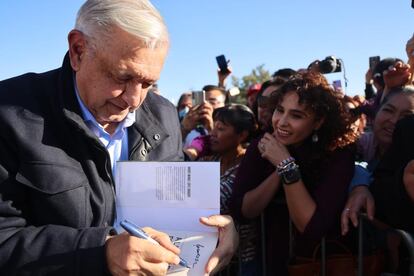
x=318, y=158
x=299, y=162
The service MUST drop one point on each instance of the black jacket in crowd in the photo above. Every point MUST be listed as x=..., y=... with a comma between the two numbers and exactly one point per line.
x=57, y=199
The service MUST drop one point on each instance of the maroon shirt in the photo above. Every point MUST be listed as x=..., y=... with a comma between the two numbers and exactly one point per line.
x=327, y=182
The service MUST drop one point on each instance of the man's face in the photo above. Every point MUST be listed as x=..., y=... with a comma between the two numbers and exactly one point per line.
x=114, y=79
x=215, y=98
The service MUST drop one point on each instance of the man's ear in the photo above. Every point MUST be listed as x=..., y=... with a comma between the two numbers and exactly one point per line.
x=77, y=48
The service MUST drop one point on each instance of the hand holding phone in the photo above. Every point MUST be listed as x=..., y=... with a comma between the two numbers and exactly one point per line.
x=198, y=97
x=373, y=61
x=222, y=64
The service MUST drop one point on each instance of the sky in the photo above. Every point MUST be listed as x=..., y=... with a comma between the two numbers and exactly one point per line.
x=275, y=33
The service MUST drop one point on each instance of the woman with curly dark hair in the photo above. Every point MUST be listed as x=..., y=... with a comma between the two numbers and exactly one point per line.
x=299, y=171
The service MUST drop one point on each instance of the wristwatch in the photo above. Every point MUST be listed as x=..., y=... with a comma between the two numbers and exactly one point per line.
x=290, y=174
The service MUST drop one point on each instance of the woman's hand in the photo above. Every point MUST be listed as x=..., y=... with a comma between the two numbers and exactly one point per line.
x=360, y=198
x=228, y=242
x=272, y=150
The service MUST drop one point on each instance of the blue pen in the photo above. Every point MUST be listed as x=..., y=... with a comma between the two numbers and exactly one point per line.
x=135, y=231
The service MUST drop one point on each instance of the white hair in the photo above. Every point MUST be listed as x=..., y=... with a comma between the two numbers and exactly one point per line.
x=137, y=17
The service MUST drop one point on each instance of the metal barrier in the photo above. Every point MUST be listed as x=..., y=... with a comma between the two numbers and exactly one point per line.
x=409, y=242
x=406, y=237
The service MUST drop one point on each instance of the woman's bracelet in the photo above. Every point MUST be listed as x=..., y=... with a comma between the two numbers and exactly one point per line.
x=284, y=163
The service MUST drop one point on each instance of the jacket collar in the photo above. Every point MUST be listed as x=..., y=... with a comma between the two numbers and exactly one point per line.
x=147, y=126
x=67, y=102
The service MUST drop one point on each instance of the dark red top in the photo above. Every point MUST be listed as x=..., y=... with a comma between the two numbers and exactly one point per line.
x=327, y=180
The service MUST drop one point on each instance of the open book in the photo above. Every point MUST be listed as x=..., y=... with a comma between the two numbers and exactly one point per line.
x=171, y=197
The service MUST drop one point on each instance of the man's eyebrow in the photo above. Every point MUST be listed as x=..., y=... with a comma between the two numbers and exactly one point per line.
x=128, y=75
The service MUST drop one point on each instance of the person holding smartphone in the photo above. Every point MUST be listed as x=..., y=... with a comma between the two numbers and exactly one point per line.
x=369, y=82
x=199, y=120
x=223, y=71
x=388, y=74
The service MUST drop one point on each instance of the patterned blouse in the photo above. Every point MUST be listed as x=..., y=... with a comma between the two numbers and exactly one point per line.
x=247, y=232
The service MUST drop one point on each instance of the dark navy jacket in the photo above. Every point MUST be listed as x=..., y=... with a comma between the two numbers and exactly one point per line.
x=57, y=200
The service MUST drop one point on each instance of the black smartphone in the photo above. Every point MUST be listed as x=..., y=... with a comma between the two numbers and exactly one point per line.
x=373, y=61
x=222, y=64
x=412, y=4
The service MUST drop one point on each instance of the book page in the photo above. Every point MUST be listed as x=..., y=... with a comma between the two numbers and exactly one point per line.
x=171, y=197
x=196, y=249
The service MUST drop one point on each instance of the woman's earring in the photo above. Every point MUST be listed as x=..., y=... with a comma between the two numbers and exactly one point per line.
x=315, y=137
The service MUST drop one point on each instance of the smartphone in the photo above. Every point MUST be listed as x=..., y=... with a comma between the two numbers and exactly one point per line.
x=222, y=64
x=199, y=97
x=337, y=85
x=373, y=61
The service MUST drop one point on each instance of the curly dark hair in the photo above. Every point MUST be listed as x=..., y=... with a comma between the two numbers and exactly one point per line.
x=315, y=93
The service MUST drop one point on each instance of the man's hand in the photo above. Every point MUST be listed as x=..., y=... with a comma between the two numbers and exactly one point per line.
x=128, y=255
x=223, y=76
x=205, y=112
x=228, y=242
x=314, y=66
x=199, y=114
x=360, y=198
x=190, y=120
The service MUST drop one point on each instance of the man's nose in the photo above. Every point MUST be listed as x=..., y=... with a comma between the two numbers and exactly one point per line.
x=132, y=94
